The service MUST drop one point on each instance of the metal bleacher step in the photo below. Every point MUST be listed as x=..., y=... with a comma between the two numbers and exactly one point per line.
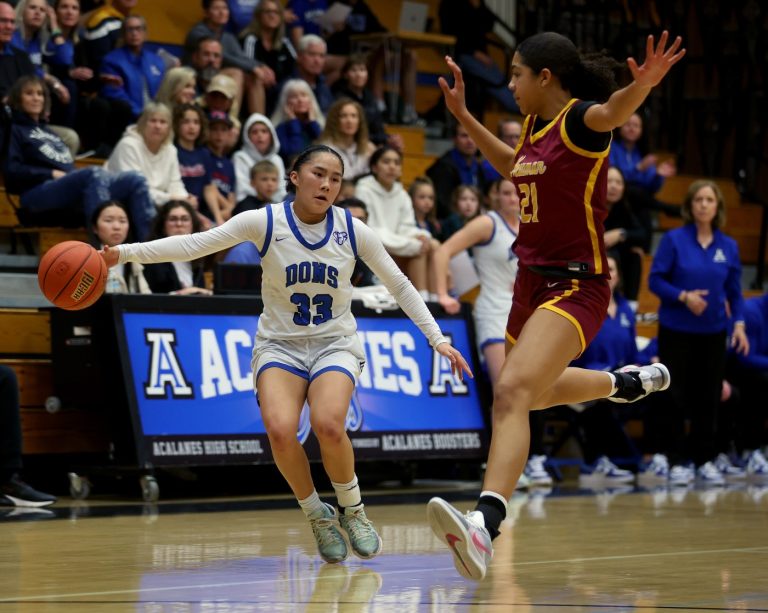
x=20, y=290
x=11, y=262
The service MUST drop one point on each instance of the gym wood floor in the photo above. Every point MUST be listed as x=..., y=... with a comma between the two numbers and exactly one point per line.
x=684, y=550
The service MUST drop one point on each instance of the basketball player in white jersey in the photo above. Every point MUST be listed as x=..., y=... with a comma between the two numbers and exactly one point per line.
x=306, y=346
x=490, y=236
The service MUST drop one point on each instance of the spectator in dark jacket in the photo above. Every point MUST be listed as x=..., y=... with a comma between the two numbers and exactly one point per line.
x=176, y=218
x=251, y=76
x=470, y=21
x=624, y=233
x=459, y=166
x=102, y=29
x=15, y=63
x=41, y=171
x=132, y=74
x=354, y=85
x=264, y=40
x=750, y=374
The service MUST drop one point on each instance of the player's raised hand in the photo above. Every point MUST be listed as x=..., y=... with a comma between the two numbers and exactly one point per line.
x=454, y=96
x=658, y=60
x=459, y=365
x=111, y=255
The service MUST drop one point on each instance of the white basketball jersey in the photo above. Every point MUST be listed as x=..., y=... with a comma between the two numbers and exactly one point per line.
x=496, y=266
x=306, y=286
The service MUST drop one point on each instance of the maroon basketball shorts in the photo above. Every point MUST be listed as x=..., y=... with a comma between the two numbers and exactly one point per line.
x=583, y=302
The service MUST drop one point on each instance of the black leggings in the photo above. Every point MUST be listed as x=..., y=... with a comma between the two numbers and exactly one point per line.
x=10, y=424
x=696, y=364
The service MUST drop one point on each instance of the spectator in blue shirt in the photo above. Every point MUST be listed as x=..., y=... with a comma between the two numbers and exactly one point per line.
x=297, y=119
x=749, y=373
x=306, y=13
x=132, y=73
x=310, y=63
x=695, y=271
x=222, y=168
x=190, y=129
x=37, y=33
x=643, y=175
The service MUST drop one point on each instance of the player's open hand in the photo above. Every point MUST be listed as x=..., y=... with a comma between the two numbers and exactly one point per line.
x=454, y=96
x=459, y=365
x=111, y=255
x=658, y=60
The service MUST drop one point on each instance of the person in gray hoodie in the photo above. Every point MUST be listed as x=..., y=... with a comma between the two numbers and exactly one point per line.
x=260, y=142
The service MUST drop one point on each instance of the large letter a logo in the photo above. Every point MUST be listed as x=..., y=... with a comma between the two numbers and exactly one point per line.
x=164, y=368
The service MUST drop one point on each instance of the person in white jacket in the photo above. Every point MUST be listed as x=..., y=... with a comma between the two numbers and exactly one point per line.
x=260, y=142
x=390, y=214
x=148, y=148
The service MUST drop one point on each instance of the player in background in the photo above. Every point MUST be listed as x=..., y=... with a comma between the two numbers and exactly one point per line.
x=561, y=292
x=306, y=346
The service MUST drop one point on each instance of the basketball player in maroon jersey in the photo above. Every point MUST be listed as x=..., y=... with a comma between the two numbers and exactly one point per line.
x=561, y=293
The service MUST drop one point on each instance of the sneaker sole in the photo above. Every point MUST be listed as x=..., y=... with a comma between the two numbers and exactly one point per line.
x=20, y=502
x=444, y=522
x=363, y=556
x=665, y=375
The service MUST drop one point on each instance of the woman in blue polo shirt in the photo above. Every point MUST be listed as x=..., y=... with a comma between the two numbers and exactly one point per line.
x=696, y=269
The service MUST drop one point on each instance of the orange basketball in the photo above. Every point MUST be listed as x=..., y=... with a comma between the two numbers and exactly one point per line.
x=72, y=275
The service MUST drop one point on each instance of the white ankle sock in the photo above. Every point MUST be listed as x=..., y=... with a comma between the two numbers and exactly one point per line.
x=495, y=495
x=348, y=494
x=312, y=504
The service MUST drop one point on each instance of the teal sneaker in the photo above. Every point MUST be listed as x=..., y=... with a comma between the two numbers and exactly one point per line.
x=330, y=543
x=365, y=542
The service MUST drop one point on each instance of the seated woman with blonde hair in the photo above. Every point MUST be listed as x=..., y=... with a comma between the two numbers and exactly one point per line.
x=148, y=148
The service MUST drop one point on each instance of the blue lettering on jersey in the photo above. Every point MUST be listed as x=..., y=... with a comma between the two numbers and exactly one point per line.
x=311, y=272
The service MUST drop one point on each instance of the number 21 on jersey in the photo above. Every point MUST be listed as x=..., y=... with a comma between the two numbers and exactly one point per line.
x=529, y=203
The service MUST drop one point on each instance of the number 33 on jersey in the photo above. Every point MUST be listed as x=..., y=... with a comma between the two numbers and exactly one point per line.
x=303, y=266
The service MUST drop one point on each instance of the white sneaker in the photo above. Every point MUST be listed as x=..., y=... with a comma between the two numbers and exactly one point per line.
x=708, y=475
x=536, y=471
x=648, y=379
x=523, y=482
x=606, y=472
x=465, y=535
x=757, y=466
x=656, y=472
x=728, y=469
x=681, y=475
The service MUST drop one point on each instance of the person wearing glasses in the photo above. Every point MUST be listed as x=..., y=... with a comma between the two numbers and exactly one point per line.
x=176, y=218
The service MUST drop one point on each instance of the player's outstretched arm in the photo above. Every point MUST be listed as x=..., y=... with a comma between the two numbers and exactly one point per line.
x=459, y=365
x=496, y=151
x=622, y=103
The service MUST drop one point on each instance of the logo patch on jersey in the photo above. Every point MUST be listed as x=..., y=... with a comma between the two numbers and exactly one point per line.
x=719, y=256
x=526, y=169
x=340, y=237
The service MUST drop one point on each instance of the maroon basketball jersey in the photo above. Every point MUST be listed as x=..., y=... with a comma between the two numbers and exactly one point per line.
x=562, y=191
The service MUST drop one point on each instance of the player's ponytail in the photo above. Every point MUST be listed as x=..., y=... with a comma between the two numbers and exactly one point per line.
x=588, y=77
